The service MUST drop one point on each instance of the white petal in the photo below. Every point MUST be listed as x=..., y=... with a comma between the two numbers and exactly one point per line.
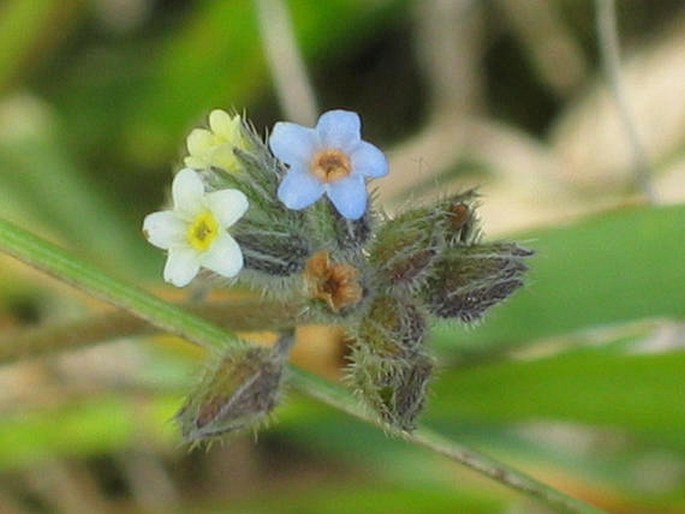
x=339, y=129
x=349, y=196
x=181, y=266
x=228, y=205
x=299, y=189
x=187, y=191
x=164, y=229
x=292, y=143
x=224, y=257
x=369, y=161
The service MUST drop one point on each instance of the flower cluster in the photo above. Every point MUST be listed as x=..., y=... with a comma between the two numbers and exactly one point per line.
x=292, y=218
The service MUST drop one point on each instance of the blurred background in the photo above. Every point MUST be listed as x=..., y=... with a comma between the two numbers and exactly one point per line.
x=578, y=380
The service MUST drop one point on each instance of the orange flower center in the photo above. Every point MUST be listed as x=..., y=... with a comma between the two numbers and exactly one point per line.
x=330, y=165
x=336, y=284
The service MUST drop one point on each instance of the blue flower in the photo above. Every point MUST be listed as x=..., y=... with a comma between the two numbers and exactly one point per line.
x=331, y=158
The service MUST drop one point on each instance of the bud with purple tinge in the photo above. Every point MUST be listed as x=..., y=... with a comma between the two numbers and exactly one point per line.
x=388, y=366
x=467, y=281
x=237, y=393
x=405, y=249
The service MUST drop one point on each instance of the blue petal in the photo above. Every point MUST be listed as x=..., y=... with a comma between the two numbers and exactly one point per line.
x=339, y=129
x=292, y=143
x=349, y=196
x=369, y=161
x=299, y=189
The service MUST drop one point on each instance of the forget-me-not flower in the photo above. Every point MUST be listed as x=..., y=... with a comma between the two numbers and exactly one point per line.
x=194, y=232
x=331, y=158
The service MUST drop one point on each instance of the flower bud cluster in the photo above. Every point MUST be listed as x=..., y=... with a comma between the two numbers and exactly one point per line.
x=302, y=228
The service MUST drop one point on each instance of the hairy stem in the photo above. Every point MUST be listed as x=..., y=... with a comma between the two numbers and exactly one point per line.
x=340, y=399
x=55, y=261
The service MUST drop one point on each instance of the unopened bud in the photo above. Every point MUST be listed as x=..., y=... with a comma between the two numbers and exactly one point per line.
x=458, y=220
x=393, y=387
x=270, y=251
x=238, y=393
x=405, y=249
x=389, y=369
x=468, y=280
x=353, y=234
x=393, y=327
x=337, y=233
x=406, y=401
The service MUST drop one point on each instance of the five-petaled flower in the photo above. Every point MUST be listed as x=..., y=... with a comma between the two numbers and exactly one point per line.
x=214, y=147
x=330, y=158
x=194, y=232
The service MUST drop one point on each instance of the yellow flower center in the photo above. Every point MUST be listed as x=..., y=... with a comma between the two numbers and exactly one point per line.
x=331, y=165
x=203, y=231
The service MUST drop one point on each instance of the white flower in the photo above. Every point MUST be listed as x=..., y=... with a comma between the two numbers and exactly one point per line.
x=194, y=232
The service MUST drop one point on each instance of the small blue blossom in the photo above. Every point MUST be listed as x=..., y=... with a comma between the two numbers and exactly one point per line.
x=331, y=158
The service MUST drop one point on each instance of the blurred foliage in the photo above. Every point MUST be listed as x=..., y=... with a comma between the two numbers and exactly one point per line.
x=577, y=380
x=578, y=281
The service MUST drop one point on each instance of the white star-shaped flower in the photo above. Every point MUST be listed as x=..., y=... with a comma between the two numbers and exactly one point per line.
x=194, y=232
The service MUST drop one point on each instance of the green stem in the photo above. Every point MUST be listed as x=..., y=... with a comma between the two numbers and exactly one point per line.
x=55, y=261
x=237, y=315
x=339, y=398
x=58, y=263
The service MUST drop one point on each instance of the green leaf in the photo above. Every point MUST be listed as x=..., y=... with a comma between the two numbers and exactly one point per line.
x=610, y=268
x=642, y=393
